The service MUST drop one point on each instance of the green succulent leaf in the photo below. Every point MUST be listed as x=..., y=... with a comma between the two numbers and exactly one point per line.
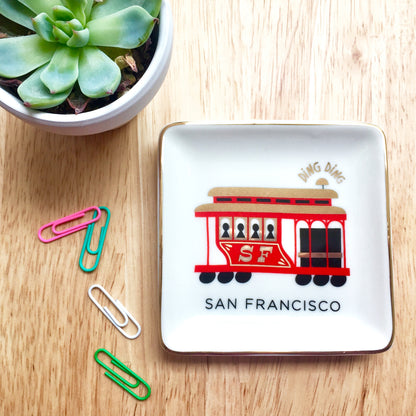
x=64, y=26
x=128, y=28
x=78, y=8
x=62, y=71
x=107, y=7
x=79, y=38
x=17, y=57
x=62, y=13
x=75, y=24
x=17, y=12
x=113, y=53
x=88, y=8
x=34, y=93
x=43, y=26
x=60, y=35
x=40, y=6
x=78, y=101
x=98, y=74
x=152, y=6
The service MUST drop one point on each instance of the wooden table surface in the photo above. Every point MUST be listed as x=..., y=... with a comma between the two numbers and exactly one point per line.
x=234, y=60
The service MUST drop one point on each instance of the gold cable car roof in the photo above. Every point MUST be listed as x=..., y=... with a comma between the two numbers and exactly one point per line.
x=269, y=208
x=277, y=193
x=273, y=192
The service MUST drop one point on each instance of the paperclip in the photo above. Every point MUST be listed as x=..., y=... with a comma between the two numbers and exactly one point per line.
x=123, y=383
x=70, y=230
x=119, y=306
x=87, y=242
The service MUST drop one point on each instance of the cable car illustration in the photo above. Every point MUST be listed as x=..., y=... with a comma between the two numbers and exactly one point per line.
x=257, y=228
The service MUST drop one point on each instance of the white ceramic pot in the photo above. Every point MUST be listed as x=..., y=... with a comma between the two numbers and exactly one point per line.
x=118, y=112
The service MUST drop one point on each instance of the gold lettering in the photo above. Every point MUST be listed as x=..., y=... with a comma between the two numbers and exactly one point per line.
x=264, y=250
x=245, y=253
x=315, y=167
x=309, y=169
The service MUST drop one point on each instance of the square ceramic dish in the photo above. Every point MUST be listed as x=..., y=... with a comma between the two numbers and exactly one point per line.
x=274, y=239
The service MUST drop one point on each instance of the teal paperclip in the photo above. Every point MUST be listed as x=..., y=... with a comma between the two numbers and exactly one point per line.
x=123, y=383
x=87, y=242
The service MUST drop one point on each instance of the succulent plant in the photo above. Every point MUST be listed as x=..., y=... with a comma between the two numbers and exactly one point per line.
x=71, y=42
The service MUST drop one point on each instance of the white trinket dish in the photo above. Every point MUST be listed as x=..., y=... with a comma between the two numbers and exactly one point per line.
x=274, y=239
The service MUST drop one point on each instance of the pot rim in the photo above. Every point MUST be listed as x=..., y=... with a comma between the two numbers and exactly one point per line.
x=16, y=107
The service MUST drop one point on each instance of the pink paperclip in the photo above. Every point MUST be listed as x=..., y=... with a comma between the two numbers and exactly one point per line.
x=70, y=230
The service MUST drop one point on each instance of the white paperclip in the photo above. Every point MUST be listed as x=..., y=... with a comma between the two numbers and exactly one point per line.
x=119, y=306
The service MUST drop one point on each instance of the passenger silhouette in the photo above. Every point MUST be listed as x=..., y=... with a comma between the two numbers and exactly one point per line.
x=255, y=228
x=225, y=227
x=240, y=228
x=270, y=229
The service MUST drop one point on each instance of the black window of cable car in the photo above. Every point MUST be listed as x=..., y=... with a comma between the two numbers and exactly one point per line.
x=318, y=238
x=270, y=231
x=240, y=232
x=255, y=231
x=225, y=231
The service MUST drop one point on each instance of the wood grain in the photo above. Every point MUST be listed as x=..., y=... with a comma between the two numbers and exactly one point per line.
x=234, y=60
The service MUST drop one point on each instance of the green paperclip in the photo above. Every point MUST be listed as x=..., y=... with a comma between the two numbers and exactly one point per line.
x=87, y=242
x=123, y=383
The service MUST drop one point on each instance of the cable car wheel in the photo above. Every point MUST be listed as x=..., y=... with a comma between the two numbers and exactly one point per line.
x=320, y=280
x=303, y=279
x=338, y=281
x=206, y=277
x=242, y=277
x=224, y=277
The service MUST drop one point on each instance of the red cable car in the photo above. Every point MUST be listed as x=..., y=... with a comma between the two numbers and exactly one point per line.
x=257, y=228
